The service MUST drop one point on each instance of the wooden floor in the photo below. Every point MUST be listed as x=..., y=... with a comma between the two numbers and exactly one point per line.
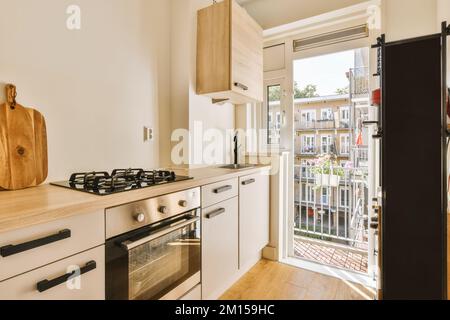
x=275, y=281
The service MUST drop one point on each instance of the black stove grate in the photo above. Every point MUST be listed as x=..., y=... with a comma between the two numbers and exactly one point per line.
x=120, y=180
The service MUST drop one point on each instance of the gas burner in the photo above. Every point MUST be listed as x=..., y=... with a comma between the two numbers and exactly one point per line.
x=103, y=183
x=86, y=180
x=157, y=177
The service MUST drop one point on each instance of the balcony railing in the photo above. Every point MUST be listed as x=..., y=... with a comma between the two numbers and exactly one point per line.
x=361, y=153
x=332, y=206
x=322, y=125
x=359, y=82
x=328, y=149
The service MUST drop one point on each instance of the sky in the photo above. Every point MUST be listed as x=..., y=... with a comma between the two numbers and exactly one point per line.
x=327, y=71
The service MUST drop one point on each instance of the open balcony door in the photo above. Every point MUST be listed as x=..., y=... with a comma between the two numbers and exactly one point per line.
x=413, y=200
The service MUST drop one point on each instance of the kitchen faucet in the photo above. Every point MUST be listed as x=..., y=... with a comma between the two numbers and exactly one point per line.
x=236, y=147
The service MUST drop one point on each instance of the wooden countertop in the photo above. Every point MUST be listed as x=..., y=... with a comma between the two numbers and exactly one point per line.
x=24, y=208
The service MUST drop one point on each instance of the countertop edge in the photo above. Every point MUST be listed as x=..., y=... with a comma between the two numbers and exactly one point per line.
x=93, y=203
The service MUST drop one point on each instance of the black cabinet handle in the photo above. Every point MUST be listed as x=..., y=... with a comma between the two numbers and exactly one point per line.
x=222, y=189
x=247, y=182
x=240, y=85
x=216, y=213
x=45, y=285
x=10, y=250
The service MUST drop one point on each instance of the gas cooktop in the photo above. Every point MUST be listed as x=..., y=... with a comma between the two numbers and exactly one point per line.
x=120, y=180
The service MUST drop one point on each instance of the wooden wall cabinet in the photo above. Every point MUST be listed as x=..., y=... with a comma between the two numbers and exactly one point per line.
x=229, y=54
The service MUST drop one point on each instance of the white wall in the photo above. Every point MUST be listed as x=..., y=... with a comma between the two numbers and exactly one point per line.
x=98, y=86
x=409, y=18
x=443, y=14
x=412, y=18
x=187, y=106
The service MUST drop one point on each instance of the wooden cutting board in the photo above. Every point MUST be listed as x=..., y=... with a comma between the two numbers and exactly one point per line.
x=23, y=145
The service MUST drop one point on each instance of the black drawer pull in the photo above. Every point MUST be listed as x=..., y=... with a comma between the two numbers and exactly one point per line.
x=10, y=250
x=216, y=213
x=45, y=285
x=241, y=86
x=247, y=182
x=222, y=189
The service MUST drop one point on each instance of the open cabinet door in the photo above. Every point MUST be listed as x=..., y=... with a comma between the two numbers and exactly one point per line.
x=413, y=224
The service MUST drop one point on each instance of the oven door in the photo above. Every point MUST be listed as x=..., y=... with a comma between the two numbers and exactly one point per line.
x=156, y=262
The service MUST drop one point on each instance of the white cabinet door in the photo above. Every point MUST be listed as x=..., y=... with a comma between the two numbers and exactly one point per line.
x=219, y=248
x=253, y=218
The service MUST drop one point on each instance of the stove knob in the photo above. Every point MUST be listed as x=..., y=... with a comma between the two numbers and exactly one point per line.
x=183, y=203
x=163, y=210
x=139, y=217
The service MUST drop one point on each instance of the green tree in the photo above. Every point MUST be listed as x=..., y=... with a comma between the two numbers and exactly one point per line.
x=274, y=93
x=345, y=90
x=309, y=91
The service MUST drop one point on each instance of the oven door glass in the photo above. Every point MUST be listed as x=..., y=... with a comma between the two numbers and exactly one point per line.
x=167, y=262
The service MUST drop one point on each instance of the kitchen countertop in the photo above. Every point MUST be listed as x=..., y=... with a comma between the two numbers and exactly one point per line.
x=45, y=203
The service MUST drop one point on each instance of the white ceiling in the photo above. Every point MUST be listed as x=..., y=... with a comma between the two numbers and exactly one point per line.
x=273, y=13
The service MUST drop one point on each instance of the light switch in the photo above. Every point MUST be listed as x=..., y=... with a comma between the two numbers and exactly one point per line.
x=148, y=134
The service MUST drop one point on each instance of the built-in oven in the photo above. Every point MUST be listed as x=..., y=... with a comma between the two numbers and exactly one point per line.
x=159, y=254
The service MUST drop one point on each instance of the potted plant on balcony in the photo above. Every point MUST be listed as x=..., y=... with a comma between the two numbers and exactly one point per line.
x=327, y=171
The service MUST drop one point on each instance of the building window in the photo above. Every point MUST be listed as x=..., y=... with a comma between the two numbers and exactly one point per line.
x=345, y=117
x=308, y=144
x=306, y=170
x=273, y=108
x=278, y=121
x=326, y=114
x=326, y=144
x=325, y=196
x=308, y=193
x=345, y=144
x=344, y=197
x=308, y=119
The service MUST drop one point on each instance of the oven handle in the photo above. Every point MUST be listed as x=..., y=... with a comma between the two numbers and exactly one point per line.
x=129, y=245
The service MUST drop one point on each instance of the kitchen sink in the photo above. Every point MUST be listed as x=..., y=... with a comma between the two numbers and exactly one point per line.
x=238, y=166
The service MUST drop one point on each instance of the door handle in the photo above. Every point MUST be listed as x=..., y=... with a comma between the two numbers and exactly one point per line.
x=374, y=225
x=222, y=189
x=247, y=182
x=45, y=285
x=241, y=86
x=10, y=250
x=129, y=245
x=215, y=213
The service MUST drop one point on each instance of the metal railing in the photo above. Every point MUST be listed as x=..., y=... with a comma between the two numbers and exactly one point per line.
x=309, y=150
x=362, y=153
x=327, y=149
x=359, y=81
x=331, y=204
x=322, y=125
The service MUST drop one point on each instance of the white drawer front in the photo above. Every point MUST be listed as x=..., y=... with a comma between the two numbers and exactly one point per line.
x=52, y=241
x=88, y=286
x=218, y=192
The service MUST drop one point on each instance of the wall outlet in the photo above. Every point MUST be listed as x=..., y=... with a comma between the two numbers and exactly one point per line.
x=148, y=134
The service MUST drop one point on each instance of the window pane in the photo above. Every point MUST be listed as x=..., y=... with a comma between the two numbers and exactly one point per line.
x=273, y=114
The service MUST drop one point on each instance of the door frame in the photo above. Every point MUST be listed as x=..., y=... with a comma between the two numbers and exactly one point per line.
x=373, y=183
